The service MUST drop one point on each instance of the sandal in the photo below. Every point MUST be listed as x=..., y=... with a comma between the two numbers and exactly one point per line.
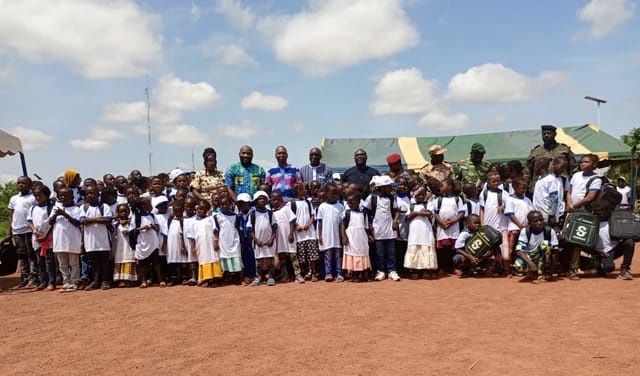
x=122, y=284
x=143, y=285
x=163, y=284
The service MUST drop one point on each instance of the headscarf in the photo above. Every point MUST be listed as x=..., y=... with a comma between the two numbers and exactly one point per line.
x=69, y=176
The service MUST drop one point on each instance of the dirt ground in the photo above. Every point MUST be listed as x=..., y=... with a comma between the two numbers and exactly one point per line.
x=448, y=326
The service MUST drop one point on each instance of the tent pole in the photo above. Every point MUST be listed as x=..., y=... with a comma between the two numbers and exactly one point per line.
x=24, y=164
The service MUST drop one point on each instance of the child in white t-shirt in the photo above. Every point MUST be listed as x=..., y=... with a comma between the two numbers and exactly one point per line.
x=285, y=238
x=421, y=255
x=96, y=220
x=20, y=233
x=449, y=211
x=67, y=239
x=227, y=236
x=536, y=245
x=305, y=234
x=492, y=203
x=263, y=229
x=355, y=239
x=177, y=252
x=517, y=208
x=549, y=190
x=329, y=218
x=382, y=209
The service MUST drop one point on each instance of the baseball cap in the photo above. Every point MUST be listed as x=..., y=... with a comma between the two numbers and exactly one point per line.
x=243, y=197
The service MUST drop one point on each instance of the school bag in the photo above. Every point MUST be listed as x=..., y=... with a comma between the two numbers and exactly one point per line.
x=607, y=198
x=439, y=206
x=482, y=242
x=238, y=223
x=294, y=206
x=374, y=207
x=347, y=218
x=485, y=194
x=110, y=229
x=8, y=259
x=581, y=228
x=252, y=218
x=546, y=233
x=624, y=224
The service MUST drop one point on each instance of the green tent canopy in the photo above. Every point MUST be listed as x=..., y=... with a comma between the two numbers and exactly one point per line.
x=500, y=146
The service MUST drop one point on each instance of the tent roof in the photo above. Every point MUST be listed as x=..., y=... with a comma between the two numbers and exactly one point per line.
x=500, y=146
x=9, y=144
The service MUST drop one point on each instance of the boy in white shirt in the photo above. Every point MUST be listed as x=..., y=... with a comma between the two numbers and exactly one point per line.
x=492, y=202
x=549, y=190
x=20, y=233
x=535, y=248
x=67, y=239
x=624, y=190
x=607, y=249
x=517, y=209
x=329, y=217
x=95, y=219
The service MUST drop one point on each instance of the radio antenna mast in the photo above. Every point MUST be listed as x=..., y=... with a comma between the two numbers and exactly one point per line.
x=146, y=92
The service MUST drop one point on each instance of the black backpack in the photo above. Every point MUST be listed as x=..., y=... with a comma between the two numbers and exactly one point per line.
x=546, y=233
x=294, y=207
x=252, y=218
x=624, y=224
x=485, y=194
x=439, y=206
x=238, y=222
x=483, y=241
x=8, y=259
x=607, y=198
x=347, y=218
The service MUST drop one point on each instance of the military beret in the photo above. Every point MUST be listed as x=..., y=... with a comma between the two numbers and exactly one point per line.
x=478, y=148
x=393, y=158
x=548, y=127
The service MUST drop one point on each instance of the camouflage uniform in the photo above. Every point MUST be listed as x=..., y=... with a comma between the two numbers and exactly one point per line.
x=558, y=150
x=468, y=172
x=439, y=172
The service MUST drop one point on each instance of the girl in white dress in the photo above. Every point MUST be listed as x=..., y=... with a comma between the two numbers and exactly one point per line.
x=202, y=241
x=177, y=255
x=355, y=240
x=227, y=239
x=124, y=268
x=263, y=228
x=145, y=226
x=421, y=252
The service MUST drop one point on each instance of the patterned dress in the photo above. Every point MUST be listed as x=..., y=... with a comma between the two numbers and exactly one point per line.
x=207, y=183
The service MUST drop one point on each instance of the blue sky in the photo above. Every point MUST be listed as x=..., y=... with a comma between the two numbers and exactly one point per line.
x=232, y=72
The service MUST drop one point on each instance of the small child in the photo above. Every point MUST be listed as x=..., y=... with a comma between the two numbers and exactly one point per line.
x=548, y=191
x=355, y=239
x=402, y=203
x=263, y=229
x=227, y=239
x=67, y=239
x=465, y=262
x=95, y=219
x=492, y=204
x=329, y=220
x=20, y=233
x=243, y=203
x=448, y=212
x=177, y=253
x=161, y=211
x=37, y=219
x=583, y=189
x=382, y=209
x=285, y=241
x=517, y=208
x=124, y=271
x=305, y=234
x=144, y=228
x=189, y=219
x=421, y=253
x=536, y=244
x=202, y=241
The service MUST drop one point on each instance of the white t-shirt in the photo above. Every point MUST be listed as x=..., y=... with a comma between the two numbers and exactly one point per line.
x=548, y=194
x=519, y=207
x=38, y=217
x=303, y=215
x=533, y=242
x=188, y=229
x=21, y=205
x=579, y=186
x=449, y=209
x=626, y=194
x=461, y=241
x=284, y=217
x=403, y=203
x=228, y=236
x=202, y=234
x=163, y=223
x=357, y=234
x=330, y=215
x=605, y=244
x=123, y=252
x=263, y=230
x=421, y=228
x=492, y=217
x=147, y=239
x=96, y=236
x=474, y=205
x=175, y=242
x=66, y=236
x=383, y=219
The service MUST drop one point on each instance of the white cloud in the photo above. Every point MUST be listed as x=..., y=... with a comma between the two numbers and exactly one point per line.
x=604, y=16
x=492, y=120
x=6, y=66
x=491, y=83
x=297, y=128
x=175, y=94
x=245, y=130
x=195, y=12
x=232, y=54
x=99, y=139
x=182, y=134
x=7, y=178
x=100, y=39
x=31, y=138
x=239, y=16
x=258, y=101
x=124, y=112
x=407, y=92
x=333, y=34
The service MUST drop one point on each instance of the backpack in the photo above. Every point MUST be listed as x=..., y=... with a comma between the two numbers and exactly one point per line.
x=480, y=244
x=110, y=229
x=581, y=228
x=607, y=198
x=439, y=206
x=252, y=218
x=347, y=218
x=294, y=207
x=485, y=194
x=374, y=207
x=624, y=224
x=238, y=223
x=133, y=234
x=546, y=233
x=8, y=259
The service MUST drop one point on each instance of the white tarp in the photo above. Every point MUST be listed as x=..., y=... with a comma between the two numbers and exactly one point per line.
x=9, y=144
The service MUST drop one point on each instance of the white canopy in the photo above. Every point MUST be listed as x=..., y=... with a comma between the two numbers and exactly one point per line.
x=9, y=144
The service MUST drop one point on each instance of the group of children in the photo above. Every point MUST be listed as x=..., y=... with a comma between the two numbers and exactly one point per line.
x=114, y=235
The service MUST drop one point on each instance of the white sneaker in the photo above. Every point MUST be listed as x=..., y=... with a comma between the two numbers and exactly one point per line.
x=380, y=276
x=394, y=276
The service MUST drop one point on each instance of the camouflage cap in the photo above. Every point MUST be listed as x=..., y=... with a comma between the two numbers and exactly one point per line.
x=478, y=148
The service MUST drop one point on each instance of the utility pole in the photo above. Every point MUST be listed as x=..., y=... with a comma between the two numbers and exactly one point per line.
x=146, y=92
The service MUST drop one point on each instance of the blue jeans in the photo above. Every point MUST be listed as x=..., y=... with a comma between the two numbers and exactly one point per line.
x=332, y=259
x=86, y=270
x=386, y=255
x=47, y=268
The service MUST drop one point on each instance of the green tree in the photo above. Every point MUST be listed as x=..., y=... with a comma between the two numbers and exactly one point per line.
x=632, y=139
x=6, y=192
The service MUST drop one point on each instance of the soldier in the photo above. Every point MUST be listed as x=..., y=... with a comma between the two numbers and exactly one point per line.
x=473, y=170
x=550, y=148
x=437, y=168
x=394, y=161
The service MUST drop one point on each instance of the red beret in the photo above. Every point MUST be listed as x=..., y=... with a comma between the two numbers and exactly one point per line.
x=393, y=158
